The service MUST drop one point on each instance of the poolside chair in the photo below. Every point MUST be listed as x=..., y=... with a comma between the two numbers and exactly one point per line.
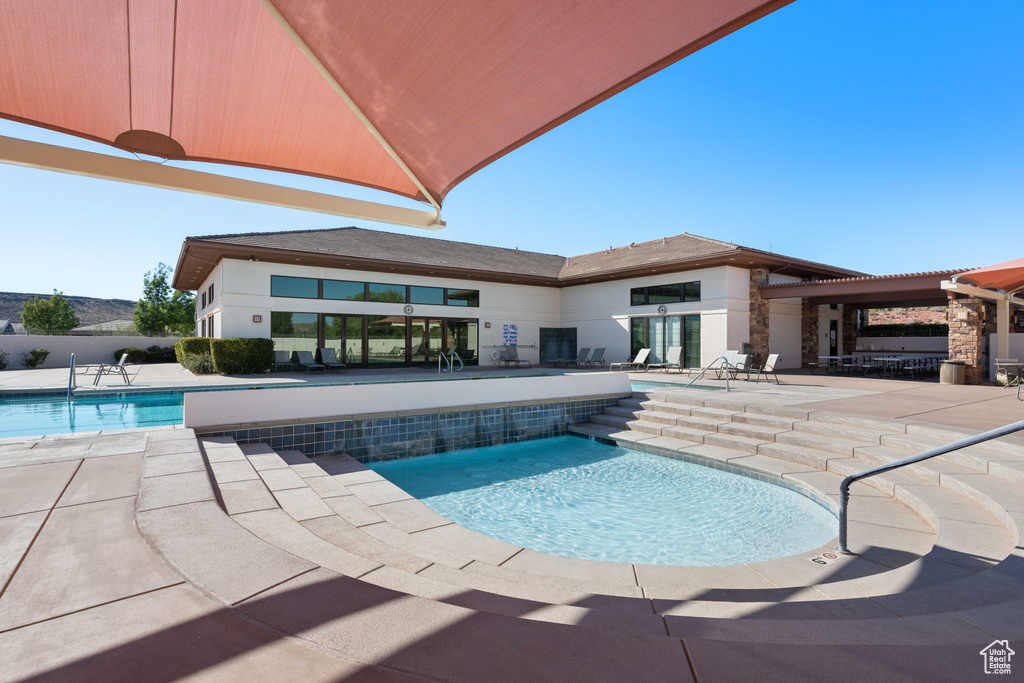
x=329, y=358
x=673, y=359
x=113, y=369
x=729, y=358
x=768, y=369
x=510, y=356
x=305, y=359
x=638, y=362
x=596, y=358
x=282, y=359
x=579, y=360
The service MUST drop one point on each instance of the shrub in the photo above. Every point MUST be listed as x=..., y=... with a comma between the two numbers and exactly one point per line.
x=160, y=354
x=242, y=356
x=3, y=359
x=199, y=363
x=135, y=355
x=178, y=355
x=34, y=358
x=194, y=345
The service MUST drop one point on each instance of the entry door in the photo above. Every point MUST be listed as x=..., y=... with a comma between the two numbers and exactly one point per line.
x=833, y=337
x=426, y=340
x=346, y=334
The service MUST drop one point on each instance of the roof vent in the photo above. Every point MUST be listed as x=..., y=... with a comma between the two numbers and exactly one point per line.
x=664, y=240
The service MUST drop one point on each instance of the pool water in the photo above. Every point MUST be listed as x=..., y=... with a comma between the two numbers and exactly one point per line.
x=46, y=415
x=577, y=498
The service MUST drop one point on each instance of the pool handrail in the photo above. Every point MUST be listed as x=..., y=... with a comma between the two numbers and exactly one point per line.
x=448, y=359
x=708, y=367
x=71, y=377
x=844, y=487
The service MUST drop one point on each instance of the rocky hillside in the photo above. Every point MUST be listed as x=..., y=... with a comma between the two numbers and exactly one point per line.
x=90, y=311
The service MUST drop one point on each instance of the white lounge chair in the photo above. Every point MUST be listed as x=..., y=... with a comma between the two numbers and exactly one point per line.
x=113, y=369
x=673, y=359
x=768, y=369
x=640, y=361
x=596, y=358
x=579, y=360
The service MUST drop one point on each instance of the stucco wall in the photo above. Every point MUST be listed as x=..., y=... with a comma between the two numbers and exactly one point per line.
x=235, y=408
x=87, y=350
x=784, y=325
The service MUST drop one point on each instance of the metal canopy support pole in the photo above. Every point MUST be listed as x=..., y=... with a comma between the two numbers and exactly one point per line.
x=92, y=165
x=1003, y=328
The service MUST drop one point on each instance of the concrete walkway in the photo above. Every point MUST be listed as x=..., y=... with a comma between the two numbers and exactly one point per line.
x=201, y=594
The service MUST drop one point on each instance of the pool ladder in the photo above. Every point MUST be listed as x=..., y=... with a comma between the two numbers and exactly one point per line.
x=71, y=377
x=448, y=359
x=709, y=366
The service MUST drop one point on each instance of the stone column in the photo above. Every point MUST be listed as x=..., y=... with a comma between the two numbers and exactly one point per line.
x=758, y=316
x=1016, y=320
x=849, y=329
x=808, y=333
x=965, y=340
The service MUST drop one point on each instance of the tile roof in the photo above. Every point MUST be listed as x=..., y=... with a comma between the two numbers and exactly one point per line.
x=389, y=246
x=664, y=250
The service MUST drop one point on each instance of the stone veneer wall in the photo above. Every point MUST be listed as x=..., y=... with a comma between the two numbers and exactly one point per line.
x=808, y=333
x=371, y=438
x=849, y=329
x=758, y=316
x=965, y=338
x=1016, y=319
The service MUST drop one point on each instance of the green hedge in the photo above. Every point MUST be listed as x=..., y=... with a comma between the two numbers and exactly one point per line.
x=191, y=346
x=242, y=356
x=178, y=355
x=135, y=355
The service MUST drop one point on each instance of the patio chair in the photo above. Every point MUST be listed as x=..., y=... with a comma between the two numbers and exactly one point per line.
x=510, y=356
x=596, y=358
x=640, y=361
x=729, y=360
x=673, y=359
x=329, y=358
x=580, y=358
x=768, y=369
x=305, y=359
x=113, y=369
x=282, y=359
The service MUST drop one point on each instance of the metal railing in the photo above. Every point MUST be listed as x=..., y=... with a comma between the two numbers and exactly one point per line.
x=71, y=377
x=710, y=366
x=844, y=488
x=448, y=359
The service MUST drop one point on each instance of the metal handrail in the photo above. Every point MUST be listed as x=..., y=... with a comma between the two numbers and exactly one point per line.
x=708, y=367
x=844, y=488
x=441, y=357
x=71, y=377
x=455, y=356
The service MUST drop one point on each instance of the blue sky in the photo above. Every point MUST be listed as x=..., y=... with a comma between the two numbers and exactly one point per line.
x=885, y=137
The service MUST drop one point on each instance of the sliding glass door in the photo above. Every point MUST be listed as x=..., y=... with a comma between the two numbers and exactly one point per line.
x=659, y=334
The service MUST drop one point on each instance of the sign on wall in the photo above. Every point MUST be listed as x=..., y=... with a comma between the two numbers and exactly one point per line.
x=510, y=334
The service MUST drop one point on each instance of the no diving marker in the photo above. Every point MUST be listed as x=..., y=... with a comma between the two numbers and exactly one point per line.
x=825, y=558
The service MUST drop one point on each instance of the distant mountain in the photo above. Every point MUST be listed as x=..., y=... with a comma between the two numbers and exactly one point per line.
x=90, y=311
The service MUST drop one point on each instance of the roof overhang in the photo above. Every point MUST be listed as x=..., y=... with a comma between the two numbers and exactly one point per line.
x=982, y=293
x=887, y=291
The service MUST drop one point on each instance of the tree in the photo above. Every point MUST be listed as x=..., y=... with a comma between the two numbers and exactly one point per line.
x=49, y=316
x=159, y=310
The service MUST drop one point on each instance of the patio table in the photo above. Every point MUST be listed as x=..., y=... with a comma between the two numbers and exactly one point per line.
x=1014, y=371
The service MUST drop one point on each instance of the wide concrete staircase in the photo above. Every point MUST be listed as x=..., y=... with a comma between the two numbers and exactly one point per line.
x=332, y=553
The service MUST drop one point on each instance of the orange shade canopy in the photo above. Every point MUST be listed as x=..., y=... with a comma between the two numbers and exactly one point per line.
x=1008, y=276
x=407, y=97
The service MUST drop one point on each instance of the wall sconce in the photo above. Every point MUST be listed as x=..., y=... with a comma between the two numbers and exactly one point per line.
x=257, y=318
x=487, y=326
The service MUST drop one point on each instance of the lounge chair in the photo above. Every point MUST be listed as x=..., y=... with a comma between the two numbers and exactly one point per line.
x=768, y=369
x=113, y=369
x=282, y=359
x=510, y=356
x=639, y=361
x=673, y=359
x=579, y=360
x=329, y=358
x=596, y=358
x=729, y=361
x=305, y=359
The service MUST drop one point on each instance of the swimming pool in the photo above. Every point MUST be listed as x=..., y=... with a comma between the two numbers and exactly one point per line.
x=52, y=415
x=578, y=498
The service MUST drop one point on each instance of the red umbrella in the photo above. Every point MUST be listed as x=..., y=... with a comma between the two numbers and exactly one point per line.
x=1008, y=276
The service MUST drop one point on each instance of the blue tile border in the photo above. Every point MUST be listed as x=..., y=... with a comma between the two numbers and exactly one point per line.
x=374, y=439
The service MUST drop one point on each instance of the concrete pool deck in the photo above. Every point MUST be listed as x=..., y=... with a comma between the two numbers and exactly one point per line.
x=144, y=554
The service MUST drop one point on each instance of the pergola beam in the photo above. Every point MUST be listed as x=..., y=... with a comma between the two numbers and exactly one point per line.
x=77, y=162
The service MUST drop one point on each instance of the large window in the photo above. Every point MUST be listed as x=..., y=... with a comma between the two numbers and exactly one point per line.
x=392, y=294
x=463, y=297
x=426, y=295
x=662, y=333
x=664, y=294
x=295, y=287
x=294, y=331
x=346, y=291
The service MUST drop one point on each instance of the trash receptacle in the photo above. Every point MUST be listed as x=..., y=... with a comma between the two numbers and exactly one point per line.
x=952, y=372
